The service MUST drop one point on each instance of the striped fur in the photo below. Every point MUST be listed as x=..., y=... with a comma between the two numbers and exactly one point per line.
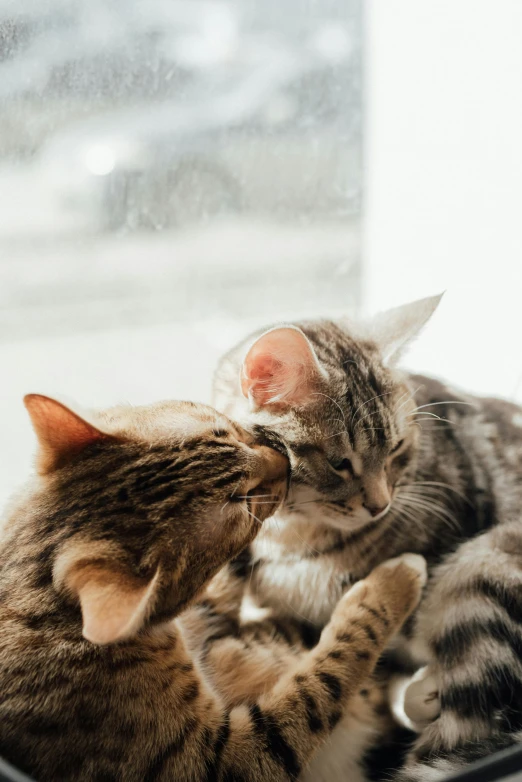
x=456, y=490
x=135, y=510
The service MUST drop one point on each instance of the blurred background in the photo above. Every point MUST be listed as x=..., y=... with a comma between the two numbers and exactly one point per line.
x=174, y=173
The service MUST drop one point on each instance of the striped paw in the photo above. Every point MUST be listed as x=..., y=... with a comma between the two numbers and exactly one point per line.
x=413, y=561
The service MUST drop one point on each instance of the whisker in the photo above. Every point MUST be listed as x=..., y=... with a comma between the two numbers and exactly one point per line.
x=447, y=402
x=407, y=512
x=378, y=396
x=318, y=393
x=442, y=485
x=402, y=512
x=306, y=502
x=337, y=434
x=408, y=509
x=254, y=517
x=411, y=396
x=232, y=493
x=268, y=502
x=247, y=496
x=406, y=393
x=432, y=415
x=308, y=545
x=361, y=418
x=433, y=425
x=422, y=503
x=436, y=510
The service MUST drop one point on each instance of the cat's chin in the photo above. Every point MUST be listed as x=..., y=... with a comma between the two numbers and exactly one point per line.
x=307, y=503
x=347, y=524
x=355, y=522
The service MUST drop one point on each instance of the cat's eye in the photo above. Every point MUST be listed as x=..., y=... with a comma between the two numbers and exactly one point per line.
x=397, y=447
x=342, y=465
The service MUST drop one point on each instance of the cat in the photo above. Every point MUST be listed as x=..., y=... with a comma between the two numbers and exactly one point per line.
x=245, y=656
x=385, y=462
x=132, y=513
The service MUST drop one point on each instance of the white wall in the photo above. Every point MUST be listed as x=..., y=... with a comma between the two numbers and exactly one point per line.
x=444, y=180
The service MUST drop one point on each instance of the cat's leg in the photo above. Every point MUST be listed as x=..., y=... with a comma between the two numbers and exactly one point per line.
x=272, y=738
x=227, y=588
x=471, y=625
x=275, y=737
x=216, y=614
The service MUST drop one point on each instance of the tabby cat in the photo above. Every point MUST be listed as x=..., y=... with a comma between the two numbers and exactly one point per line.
x=133, y=511
x=384, y=462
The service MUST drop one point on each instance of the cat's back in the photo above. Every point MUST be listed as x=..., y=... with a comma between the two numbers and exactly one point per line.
x=505, y=419
x=474, y=443
x=485, y=424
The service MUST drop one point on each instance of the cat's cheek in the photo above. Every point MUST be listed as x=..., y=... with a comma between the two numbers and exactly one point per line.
x=241, y=528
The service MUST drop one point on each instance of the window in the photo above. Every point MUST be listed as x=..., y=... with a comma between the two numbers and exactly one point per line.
x=172, y=174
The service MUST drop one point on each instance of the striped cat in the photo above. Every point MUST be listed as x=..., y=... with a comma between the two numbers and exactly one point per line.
x=382, y=463
x=132, y=513
x=245, y=656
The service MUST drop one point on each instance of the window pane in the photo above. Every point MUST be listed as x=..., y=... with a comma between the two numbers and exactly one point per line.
x=172, y=172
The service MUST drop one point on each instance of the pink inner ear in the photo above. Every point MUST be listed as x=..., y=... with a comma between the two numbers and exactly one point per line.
x=61, y=432
x=280, y=368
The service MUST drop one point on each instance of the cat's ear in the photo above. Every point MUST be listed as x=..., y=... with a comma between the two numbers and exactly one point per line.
x=114, y=604
x=280, y=369
x=61, y=432
x=394, y=329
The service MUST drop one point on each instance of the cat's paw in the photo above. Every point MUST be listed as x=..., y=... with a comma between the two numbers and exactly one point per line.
x=414, y=562
x=421, y=698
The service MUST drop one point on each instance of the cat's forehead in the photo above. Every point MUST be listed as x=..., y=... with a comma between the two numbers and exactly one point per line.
x=369, y=453
x=177, y=420
x=352, y=422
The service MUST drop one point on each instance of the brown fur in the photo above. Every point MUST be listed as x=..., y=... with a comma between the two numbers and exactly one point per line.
x=134, y=511
x=452, y=467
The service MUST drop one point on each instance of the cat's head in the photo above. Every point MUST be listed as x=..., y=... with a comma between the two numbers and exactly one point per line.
x=330, y=392
x=138, y=508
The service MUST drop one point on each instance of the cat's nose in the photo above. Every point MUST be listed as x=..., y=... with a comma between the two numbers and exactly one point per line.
x=376, y=493
x=273, y=464
x=375, y=510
